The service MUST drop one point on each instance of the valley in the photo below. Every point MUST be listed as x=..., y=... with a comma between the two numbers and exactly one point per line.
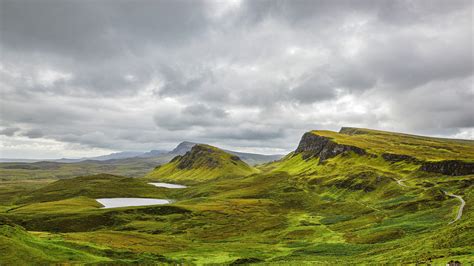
x=357, y=196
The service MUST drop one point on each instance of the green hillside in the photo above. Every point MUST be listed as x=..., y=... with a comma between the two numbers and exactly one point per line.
x=202, y=163
x=355, y=197
x=423, y=148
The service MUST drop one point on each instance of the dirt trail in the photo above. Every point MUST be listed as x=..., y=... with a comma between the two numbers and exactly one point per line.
x=461, y=208
x=400, y=182
x=463, y=203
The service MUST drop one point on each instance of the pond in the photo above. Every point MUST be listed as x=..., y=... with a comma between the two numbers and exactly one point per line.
x=167, y=185
x=129, y=202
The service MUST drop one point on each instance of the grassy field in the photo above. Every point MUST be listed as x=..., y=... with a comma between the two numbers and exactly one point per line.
x=351, y=209
x=131, y=167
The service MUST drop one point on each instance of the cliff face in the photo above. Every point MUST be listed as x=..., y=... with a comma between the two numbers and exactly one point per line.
x=312, y=145
x=325, y=146
x=449, y=167
x=394, y=158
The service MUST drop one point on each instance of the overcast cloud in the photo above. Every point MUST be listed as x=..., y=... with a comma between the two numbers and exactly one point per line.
x=82, y=78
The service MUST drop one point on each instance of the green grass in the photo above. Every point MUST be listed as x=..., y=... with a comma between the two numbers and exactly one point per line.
x=425, y=148
x=131, y=167
x=202, y=163
x=94, y=186
x=348, y=210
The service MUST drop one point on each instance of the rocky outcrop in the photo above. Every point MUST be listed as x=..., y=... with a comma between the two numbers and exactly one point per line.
x=449, y=167
x=395, y=158
x=312, y=145
x=197, y=153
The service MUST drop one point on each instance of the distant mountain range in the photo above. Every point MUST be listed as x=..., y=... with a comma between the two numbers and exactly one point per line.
x=180, y=149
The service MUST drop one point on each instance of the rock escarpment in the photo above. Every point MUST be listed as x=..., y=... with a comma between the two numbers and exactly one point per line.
x=449, y=167
x=312, y=145
x=395, y=158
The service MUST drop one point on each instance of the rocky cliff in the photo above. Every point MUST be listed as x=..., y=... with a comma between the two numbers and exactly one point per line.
x=449, y=167
x=313, y=145
x=395, y=158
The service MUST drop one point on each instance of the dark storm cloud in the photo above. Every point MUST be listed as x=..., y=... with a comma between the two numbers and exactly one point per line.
x=314, y=89
x=198, y=115
x=9, y=131
x=138, y=75
x=393, y=12
x=98, y=29
x=260, y=133
x=33, y=134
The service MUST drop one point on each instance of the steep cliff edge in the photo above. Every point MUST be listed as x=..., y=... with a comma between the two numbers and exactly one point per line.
x=435, y=155
x=314, y=145
x=449, y=167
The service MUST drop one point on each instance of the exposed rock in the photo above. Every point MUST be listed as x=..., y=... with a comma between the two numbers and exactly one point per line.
x=188, y=159
x=333, y=149
x=395, y=158
x=176, y=158
x=366, y=181
x=435, y=193
x=246, y=261
x=199, y=154
x=312, y=145
x=449, y=167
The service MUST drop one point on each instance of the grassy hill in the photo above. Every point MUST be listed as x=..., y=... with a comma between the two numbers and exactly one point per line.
x=354, y=197
x=423, y=148
x=202, y=163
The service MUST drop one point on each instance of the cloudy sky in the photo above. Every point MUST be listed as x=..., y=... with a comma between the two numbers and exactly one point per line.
x=83, y=78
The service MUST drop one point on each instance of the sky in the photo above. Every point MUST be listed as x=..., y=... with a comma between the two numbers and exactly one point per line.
x=86, y=78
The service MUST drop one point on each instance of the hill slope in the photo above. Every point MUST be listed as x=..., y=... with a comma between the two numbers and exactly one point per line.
x=249, y=158
x=201, y=163
x=358, y=197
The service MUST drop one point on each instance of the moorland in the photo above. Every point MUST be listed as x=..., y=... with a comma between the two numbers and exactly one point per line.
x=356, y=196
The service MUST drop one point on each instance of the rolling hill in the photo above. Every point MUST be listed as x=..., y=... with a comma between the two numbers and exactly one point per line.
x=201, y=163
x=357, y=196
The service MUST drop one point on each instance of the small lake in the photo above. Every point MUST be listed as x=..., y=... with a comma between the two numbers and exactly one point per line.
x=129, y=202
x=167, y=185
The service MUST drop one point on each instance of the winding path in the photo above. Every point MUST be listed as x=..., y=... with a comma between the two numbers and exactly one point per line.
x=461, y=208
x=463, y=203
x=400, y=182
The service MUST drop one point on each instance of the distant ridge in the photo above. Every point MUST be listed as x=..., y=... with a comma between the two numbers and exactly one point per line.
x=182, y=148
x=158, y=156
x=250, y=158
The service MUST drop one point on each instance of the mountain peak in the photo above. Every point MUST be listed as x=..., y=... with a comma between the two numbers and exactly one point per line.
x=202, y=162
x=202, y=155
x=183, y=147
